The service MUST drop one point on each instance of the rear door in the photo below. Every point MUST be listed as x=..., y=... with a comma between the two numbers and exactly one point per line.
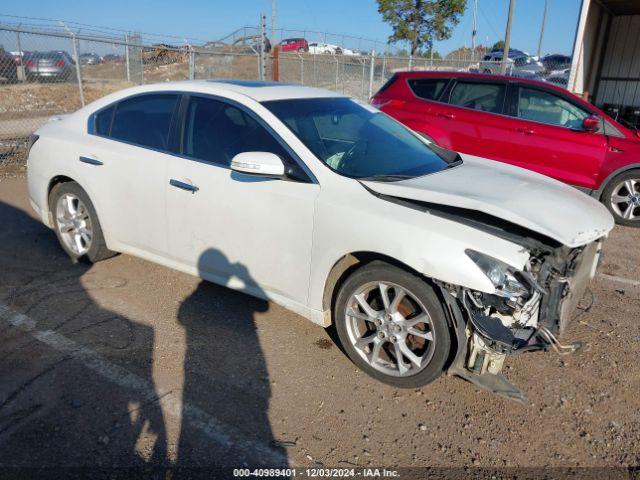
x=126, y=157
x=474, y=117
x=546, y=136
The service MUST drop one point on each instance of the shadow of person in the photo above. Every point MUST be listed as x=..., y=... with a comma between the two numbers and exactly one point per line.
x=225, y=373
x=76, y=389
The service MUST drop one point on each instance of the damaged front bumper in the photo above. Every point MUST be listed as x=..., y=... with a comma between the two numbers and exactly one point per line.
x=486, y=333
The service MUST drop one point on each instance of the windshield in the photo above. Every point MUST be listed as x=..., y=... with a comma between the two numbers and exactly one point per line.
x=357, y=141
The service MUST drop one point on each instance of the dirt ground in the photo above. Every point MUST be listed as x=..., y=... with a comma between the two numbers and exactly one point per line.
x=130, y=364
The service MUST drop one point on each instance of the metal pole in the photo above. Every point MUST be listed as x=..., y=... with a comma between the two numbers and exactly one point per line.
x=261, y=63
x=301, y=69
x=273, y=22
x=127, y=59
x=192, y=63
x=373, y=59
x=544, y=22
x=507, y=38
x=78, y=72
x=410, y=61
x=475, y=30
x=22, y=75
x=384, y=66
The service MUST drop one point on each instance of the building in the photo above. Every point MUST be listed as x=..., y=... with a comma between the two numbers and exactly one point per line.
x=606, y=56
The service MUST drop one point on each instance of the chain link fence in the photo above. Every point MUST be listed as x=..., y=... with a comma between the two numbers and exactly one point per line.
x=48, y=72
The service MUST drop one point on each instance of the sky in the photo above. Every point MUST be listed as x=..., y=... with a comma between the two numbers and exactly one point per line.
x=213, y=19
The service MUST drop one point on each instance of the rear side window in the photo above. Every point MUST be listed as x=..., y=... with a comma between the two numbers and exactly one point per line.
x=144, y=120
x=103, y=121
x=216, y=132
x=486, y=97
x=428, y=88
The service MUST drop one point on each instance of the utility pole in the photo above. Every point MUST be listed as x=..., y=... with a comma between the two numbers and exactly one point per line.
x=273, y=22
x=475, y=30
x=544, y=22
x=507, y=38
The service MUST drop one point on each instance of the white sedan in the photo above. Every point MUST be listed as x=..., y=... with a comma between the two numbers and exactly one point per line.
x=425, y=260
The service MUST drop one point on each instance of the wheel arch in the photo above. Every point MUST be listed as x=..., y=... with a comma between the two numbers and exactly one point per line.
x=600, y=191
x=349, y=263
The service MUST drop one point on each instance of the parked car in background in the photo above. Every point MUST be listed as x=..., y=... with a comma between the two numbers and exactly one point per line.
x=425, y=260
x=111, y=58
x=556, y=63
x=526, y=123
x=560, y=78
x=520, y=64
x=294, y=45
x=319, y=48
x=55, y=66
x=8, y=68
x=90, y=59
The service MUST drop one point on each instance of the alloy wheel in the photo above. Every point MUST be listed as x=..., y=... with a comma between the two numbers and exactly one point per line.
x=390, y=328
x=74, y=224
x=625, y=199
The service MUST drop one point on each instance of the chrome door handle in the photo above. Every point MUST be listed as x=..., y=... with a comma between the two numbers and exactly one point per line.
x=183, y=185
x=91, y=161
x=448, y=116
x=526, y=131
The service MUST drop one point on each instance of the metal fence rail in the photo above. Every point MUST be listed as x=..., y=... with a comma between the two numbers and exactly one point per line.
x=45, y=72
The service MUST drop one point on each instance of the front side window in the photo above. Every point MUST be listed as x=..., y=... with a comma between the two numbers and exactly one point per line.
x=144, y=120
x=486, y=97
x=540, y=106
x=216, y=132
x=428, y=88
x=355, y=140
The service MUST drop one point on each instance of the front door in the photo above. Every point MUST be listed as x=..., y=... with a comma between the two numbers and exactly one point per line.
x=248, y=232
x=547, y=137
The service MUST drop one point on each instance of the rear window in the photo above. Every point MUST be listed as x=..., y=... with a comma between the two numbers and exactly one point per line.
x=144, y=120
x=428, y=88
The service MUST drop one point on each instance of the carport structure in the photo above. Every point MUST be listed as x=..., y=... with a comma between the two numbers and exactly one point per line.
x=606, y=56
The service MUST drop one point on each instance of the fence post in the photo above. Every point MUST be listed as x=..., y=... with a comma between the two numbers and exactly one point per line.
x=21, y=75
x=384, y=66
x=78, y=70
x=127, y=57
x=261, y=56
x=301, y=69
x=410, y=62
x=373, y=65
x=337, y=71
x=192, y=63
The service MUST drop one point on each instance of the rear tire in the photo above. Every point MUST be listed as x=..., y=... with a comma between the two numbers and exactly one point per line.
x=622, y=198
x=76, y=223
x=392, y=325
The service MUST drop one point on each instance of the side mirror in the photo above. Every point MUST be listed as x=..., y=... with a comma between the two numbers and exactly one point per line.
x=258, y=163
x=591, y=124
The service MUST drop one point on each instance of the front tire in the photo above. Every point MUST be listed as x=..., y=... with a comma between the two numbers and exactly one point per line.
x=392, y=325
x=76, y=223
x=622, y=198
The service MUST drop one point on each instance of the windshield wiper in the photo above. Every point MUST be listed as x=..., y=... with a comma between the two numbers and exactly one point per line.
x=387, y=178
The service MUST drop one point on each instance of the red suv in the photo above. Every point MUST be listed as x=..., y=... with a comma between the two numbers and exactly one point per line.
x=294, y=45
x=526, y=123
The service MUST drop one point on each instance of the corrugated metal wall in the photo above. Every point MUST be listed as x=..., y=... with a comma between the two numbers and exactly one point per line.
x=620, y=75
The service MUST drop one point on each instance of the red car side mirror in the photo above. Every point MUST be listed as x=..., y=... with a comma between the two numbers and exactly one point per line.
x=591, y=124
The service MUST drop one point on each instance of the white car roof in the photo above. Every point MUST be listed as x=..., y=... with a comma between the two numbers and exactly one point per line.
x=260, y=91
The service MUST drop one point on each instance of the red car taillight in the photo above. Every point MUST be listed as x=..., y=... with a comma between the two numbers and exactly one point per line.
x=60, y=63
x=28, y=63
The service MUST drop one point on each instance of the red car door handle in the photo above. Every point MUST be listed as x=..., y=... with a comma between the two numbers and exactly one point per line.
x=526, y=131
x=449, y=116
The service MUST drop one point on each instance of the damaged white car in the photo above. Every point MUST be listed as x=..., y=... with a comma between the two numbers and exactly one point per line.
x=425, y=260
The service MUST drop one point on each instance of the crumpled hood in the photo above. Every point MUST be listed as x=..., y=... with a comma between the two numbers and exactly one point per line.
x=514, y=194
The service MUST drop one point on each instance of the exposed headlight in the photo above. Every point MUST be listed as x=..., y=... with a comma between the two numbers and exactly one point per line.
x=502, y=276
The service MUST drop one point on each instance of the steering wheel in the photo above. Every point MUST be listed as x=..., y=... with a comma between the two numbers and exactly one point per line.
x=358, y=147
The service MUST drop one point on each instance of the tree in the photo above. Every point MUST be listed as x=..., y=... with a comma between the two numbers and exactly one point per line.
x=499, y=45
x=421, y=22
